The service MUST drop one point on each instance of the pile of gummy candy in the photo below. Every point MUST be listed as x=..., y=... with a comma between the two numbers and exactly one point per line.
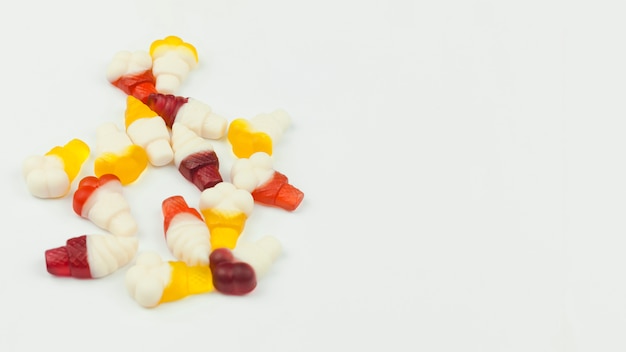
x=165, y=129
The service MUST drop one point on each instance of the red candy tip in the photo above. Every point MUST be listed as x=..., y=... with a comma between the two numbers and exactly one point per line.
x=173, y=206
x=289, y=197
x=58, y=262
x=230, y=276
x=279, y=192
x=69, y=260
x=166, y=106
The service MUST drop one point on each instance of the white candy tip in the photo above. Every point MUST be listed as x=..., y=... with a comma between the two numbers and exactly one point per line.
x=271, y=246
x=214, y=127
x=160, y=152
x=167, y=84
x=48, y=183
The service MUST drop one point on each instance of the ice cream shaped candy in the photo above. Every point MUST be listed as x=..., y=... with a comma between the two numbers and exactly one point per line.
x=186, y=234
x=100, y=199
x=237, y=271
x=132, y=73
x=51, y=175
x=147, y=129
x=225, y=209
x=91, y=256
x=118, y=155
x=172, y=60
x=258, y=134
x=195, y=158
x=194, y=114
x=257, y=175
x=152, y=281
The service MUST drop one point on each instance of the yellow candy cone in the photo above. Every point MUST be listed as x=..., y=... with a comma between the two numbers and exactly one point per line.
x=187, y=280
x=225, y=227
x=136, y=110
x=74, y=154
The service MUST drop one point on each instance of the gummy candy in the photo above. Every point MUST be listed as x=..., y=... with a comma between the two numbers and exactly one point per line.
x=231, y=276
x=51, y=175
x=131, y=72
x=190, y=112
x=268, y=186
x=186, y=233
x=260, y=254
x=225, y=210
x=147, y=129
x=161, y=128
x=236, y=271
x=195, y=158
x=100, y=200
x=152, y=281
x=172, y=59
x=91, y=256
x=118, y=155
x=166, y=106
x=258, y=134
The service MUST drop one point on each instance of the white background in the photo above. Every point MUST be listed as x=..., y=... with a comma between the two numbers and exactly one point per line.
x=462, y=164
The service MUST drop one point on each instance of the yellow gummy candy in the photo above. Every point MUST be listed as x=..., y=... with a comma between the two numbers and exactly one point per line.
x=74, y=154
x=187, y=280
x=225, y=227
x=135, y=110
x=245, y=141
x=126, y=166
x=169, y=43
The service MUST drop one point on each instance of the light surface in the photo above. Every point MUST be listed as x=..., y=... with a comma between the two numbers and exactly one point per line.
x=463, y=165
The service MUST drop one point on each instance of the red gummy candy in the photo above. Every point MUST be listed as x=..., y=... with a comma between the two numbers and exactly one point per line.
x=139, y=86
x=278, y=192
x=69, y=260
x=166, y=106
x=85, y=189
x=201, y=169
x=231, y=277
x=173, y=206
